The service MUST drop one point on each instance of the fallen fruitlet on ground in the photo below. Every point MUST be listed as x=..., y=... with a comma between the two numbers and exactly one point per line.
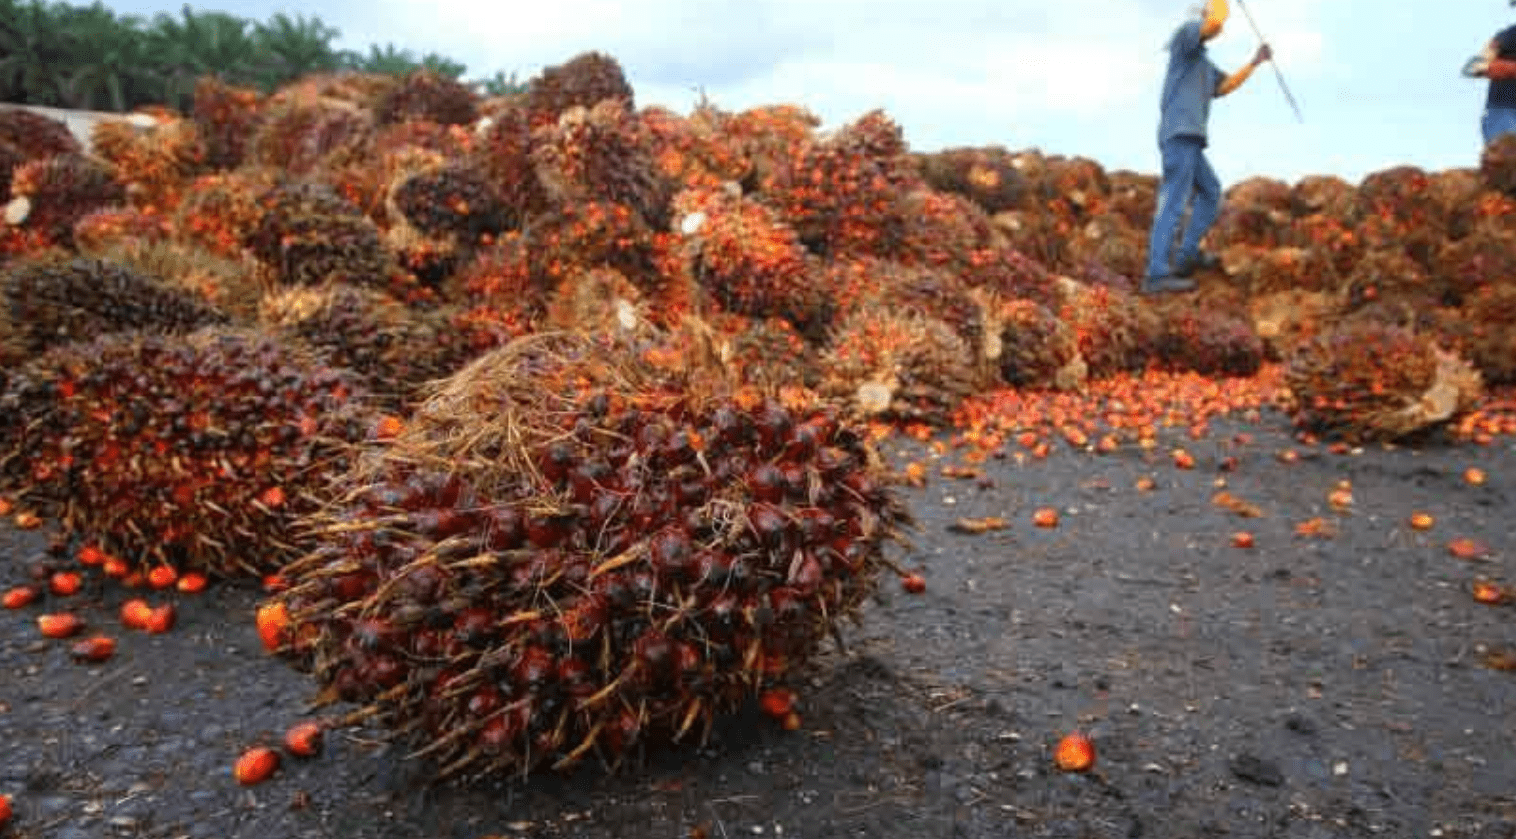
x=256, y=765
x=60, y=624
x=160, y=619
x=28, y=521
x=1045, y=517
x=1474, y=476
x=1421, y=521
x=975, y=526
x=65, y=583
x=913, y=583
x=1074, y=753
x=1472, y=549
x=303, y=739
x=5, y=810
x=1491, y=594
x=193, y=582
x=19, y=597
x=1242, y=539
x=96, y=649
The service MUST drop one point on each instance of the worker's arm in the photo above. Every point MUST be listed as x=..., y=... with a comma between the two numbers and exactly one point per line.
x=1501, y=68
x=1235, y=80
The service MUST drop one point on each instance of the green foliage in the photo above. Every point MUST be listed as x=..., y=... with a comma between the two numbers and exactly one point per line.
x=62, y=55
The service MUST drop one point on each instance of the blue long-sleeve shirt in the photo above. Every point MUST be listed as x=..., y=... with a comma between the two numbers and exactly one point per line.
x=1188, y=87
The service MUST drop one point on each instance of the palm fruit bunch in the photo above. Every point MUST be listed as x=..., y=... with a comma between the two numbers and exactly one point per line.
x=596, y=301
x=154, y=156
x=1389, y=272
x=428, y=96
x=1134, y=198
x=226, y=117
x=367, y=172
x=1032, y=348
x=393, y=348
x=585, y=80
x=592, y=234
x=53, y=301
x=1262, y=271
x=1489, y=316
x=453, y=201
x=1285, y=319
x=501, y=296
x=768, y=353
x=1073, y=190
x=844, y=195
x=1326, y=194
x=50, y=194
x=1328, y=236
x=566, y=555
x=1497, y=165
x=113, y=227
x=1011, y=274
x=1256, y=211
x=764, y=137
x=601, y=153
x=943, y=230
x=1209, y=342
x=307, y=234
x=1486, y=256
x=858, y=283
x=10, y=158
x=1115, y=330
x=218, y=209
x=1399, y=209
x=1109, y=243
x=747, y=259
x=899, y=365
x=1370, y=380
x=197, y=451
x=299, y=130
x=502, y=149
x=1457, y=194
x=987, y=176
x=34, y=135
x=689, y=152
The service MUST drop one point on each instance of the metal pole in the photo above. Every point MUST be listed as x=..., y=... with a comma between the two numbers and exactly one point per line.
x=1277, y=74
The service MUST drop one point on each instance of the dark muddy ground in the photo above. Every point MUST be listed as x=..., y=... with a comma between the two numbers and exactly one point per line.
x=1308, y=687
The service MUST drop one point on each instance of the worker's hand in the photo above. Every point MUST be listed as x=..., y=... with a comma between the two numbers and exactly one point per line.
x=1265, y=52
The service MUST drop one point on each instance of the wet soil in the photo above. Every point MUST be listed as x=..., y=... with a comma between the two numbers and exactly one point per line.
x=1311, y=686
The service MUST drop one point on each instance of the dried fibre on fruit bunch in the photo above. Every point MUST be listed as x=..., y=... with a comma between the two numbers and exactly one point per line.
x=197, y=450
x=1368, y=380
x=52, y=301
x=899, y=365
x=564, y=555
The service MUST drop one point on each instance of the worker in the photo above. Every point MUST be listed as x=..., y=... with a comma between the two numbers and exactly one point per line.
x=1498, y=64
x=1188, y=88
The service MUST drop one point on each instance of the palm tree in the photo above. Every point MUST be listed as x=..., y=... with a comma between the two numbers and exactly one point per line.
x=32, y=54
x=197, y=44
x=110, y=64
x=293, y=47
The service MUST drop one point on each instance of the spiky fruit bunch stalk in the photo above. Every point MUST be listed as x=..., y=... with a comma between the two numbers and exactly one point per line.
x=744, y=255
x=229, y=286
x=1035, y=349
x=1368, y=380
x=1115, y=330
x=53, y=301
x=49, y=195
x=226, y=116
x=308, y=235
x=584, y=81
x=839, y=195
x=429, y=96
x=603, y=561
x=899, y=365
x=1497, y=165
x=155, y=162
x=1209, y=343
x=1489, y=318
x=601, y=153
x=393, y=349
x=197, y=451
x=986, y=176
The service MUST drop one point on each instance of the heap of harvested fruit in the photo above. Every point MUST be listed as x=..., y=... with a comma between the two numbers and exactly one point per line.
x=195, y=451
x=1369, y=380
x=565, y=554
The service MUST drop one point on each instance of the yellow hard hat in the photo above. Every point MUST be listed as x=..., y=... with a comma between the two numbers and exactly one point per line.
x=1216, y=12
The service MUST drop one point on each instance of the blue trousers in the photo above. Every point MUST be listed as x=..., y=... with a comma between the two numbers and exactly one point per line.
x=1498, y=121
x=1188, y=181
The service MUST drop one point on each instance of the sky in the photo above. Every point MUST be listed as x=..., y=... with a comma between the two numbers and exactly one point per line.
x=1378, y=84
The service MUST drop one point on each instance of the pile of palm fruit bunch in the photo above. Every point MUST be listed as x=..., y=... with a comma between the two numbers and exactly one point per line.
x=569, y=553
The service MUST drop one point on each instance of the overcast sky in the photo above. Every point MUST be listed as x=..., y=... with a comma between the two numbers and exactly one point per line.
x=1378, y=83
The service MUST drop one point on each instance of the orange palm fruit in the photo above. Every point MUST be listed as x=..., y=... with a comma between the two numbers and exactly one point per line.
x=115, y=567
x=1474, y=476
x=913, y=583
x=1183, y=459
x=777, y=702
x=1490, y=594
x=90, y=555
x=96, y=649
x=65, y=583
x=27, y=521
x=5, y=810
x=273, y=625
x=1422, y=521
x=19, y=597
x=256, y=765
x=162, y=576
x=1466, y=548
x=60, y=624
x=161, y=619
x=193, y=582
x=1075, y=753
x=135, y=613
x=303, y=739
x=1242, y=539
x=1045, y=517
